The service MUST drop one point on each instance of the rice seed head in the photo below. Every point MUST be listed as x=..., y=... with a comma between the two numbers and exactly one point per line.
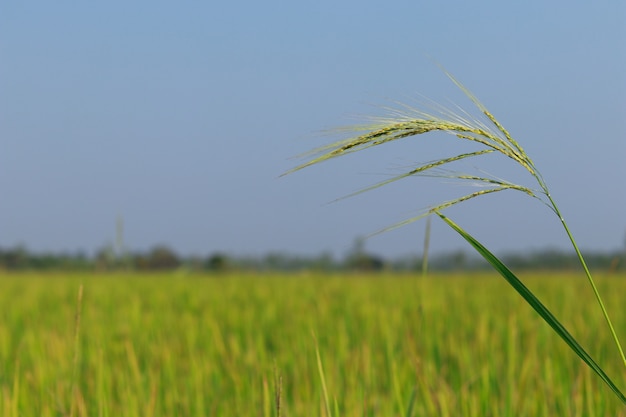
x=419, y=170
x=405, y=121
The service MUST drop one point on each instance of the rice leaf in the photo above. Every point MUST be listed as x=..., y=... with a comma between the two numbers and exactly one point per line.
x=537, y=305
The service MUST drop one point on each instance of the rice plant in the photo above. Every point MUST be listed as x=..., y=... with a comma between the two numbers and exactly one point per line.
x=241, y=344
x=490, y=137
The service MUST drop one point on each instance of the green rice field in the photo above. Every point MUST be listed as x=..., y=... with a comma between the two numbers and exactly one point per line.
x=303, y=345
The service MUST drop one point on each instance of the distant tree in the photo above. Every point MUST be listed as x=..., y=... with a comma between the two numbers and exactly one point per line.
x=458, y=259
x=162, y=257
x=324, y=262
x=105, y=258
x=15, y=258
x=365, y=262
x=275, y=261
x=360, y=260
x=218, y=262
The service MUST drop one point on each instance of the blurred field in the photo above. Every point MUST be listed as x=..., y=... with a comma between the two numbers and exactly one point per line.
x=187, y=345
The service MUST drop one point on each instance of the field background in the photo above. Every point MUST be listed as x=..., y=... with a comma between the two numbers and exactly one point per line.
x=222, y=345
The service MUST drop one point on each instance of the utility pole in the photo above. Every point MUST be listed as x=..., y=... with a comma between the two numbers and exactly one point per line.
x=121, y=257
x=426, y=247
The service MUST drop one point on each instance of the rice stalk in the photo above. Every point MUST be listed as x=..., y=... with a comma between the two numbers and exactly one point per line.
x=409, y=410
x=278, y=389
x=75, y=362
x=320, y=369
x=405, y=121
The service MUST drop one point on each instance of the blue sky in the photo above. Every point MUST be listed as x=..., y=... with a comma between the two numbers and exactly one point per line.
x=180, y=117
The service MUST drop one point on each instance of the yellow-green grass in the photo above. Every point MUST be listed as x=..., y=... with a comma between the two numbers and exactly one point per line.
x=174, y=345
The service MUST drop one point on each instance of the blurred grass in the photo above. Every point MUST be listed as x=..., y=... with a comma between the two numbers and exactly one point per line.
x=163, y=345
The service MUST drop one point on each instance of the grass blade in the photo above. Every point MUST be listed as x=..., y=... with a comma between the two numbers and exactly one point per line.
x=320, y=369
x=409, y=410
x=537, y=305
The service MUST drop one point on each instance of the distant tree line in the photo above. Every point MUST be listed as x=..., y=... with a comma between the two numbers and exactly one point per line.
x=162, y=258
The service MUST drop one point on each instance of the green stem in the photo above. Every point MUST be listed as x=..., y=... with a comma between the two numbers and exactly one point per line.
x=589, y=278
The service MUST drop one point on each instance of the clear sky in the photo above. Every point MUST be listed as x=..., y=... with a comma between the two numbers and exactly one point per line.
x=180, y=117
